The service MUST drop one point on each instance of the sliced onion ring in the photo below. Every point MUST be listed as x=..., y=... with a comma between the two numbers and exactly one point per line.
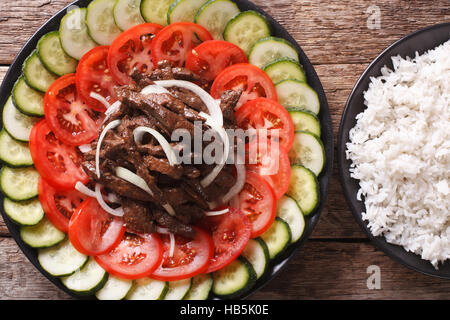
x=216, y=213
x=110, y=126
x=85, y=190
x=101, y=99
x=98, y=195
x=139, y=133
x=239, y=185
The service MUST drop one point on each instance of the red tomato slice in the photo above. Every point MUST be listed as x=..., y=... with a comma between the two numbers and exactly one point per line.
x=59, y=206
x=231, y=233
x=270, y=160
x=93, y=231
x=135, y=257
x=130, y=50
x=258, y=202
x=93, y=75
x=263, y=113
x=254, y=82
x=176, y=41
x=191, y=257
x=211, y=57
x=58, y=163
x=72, y=121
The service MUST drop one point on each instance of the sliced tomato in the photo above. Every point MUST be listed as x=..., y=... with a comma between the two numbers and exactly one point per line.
x=263, y=113
x=211, y=57
x=130, y=50
x=176, y=41
x=190, y=257
x=254, y=83
x=93, y=231
x=258, y=202
x=270, y=160
x=72, y=121
x=59, y=206
x=93, y=75
x=230, y=233
x=58, y=163
x=135, y=257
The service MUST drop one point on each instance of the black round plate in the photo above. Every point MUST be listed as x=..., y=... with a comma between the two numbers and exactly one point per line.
x=325, y=119
x=420, y=41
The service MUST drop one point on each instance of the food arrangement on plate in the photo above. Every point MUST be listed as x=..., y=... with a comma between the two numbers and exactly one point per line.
x=397, y=149
x=92, y=171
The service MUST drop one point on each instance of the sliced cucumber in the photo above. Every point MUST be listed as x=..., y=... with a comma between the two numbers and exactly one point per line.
x=114, y=289
x=14, y=153
x=53, y=57
x=178, y=289
x=24, y=213
x=200, y=288
x=74, y=35
x=235, y=279
x=36, y=75
x=245, y=29
x=155, y=10
x=42, y=235
x=28, y=100
x=268, y=50
x=308, y=151
x=61, y=260
x=127, y=14
x=184, y=10
x=294, y=93
x=16, y=123
x=304, y=188
x=214, y=16
x=257, y=254
x=284, y=69
x=19, y=184
x=100, y=22
x=277, y=237
x=305, y=121
x=87, y=280
x=290, y=212
x=148, y=289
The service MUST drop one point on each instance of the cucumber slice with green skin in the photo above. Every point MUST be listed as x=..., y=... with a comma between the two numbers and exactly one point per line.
x=53, y=57
x=235, y=279
x=61, y=260
x=178, y=289
x=148, y=289
x=200, y=288
x=14, y=153
x=127, y=14
x=19, y=184
x=155, y=11
x=268, y=50
x=305, y=121
x=42, y=235
x=36, y=75
x=257, y=254
x=245, y=29
x=277, y=237
x=17, y=124
x=87, y=280
x=28, y=100
x=100, y=22
x=290, y=212
x=284, y=69
x=24, y=213
x=114, y=289
x=184, y=10
x=214, y=16
x=73, y=33
x=294, y=93
x=304, y=188
x=308, y=151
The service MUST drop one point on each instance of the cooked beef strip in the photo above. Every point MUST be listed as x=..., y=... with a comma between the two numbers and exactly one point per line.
x=174, y=225
x=136, y=217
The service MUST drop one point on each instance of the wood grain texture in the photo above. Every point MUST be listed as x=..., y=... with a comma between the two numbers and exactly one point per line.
x=337, y=40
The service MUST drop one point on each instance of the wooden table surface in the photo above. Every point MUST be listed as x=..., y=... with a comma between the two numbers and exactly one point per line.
x=336, y=37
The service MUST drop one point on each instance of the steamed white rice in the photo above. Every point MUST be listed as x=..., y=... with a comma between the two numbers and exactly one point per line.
x=400, y=153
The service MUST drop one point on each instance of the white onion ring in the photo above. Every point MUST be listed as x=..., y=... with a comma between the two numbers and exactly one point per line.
x=216, y=213
x=111, y=125
x=139, y=132
x=98, y=195
x=85, y=190
x=101, y=99
x=237, y=187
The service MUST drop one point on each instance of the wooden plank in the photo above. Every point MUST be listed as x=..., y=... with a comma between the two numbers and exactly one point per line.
x=329, y=32
x=321, y=270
